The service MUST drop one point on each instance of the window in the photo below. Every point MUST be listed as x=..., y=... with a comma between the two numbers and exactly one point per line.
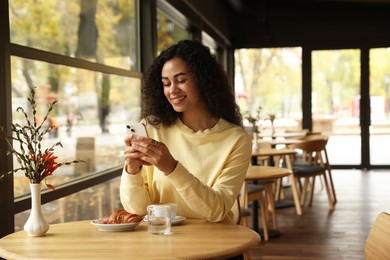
x=270, y=78
x=91, y=114
x=169, y=32
x=97, y=31
x=85, y=55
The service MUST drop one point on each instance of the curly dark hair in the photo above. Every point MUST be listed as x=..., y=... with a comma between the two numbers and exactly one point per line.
x=213, y=83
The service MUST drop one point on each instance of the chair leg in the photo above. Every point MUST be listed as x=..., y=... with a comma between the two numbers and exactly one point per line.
x=278, y=189
x=271, y=203
x=328, y=192
x=312, y=190
x=247, y=255
x=328, y=168
x=304, y=191
x=263, y=213
x=331, y=186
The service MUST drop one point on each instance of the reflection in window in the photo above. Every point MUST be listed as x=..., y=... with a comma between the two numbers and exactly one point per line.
x=91, y=114
x=270, y=78
x=96, y=30
x=168, y=32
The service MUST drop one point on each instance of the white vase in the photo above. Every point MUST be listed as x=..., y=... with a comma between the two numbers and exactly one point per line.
x=36, y=224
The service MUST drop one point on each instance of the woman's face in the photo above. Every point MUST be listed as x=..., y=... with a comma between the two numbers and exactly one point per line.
x=180, y=86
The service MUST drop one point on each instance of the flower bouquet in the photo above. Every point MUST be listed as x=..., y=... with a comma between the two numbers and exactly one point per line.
x=254, y=119
x=36, y=162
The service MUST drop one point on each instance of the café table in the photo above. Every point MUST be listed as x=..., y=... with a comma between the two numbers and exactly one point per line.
x=191, y=239
x=259, y=173
x=284, y=153
x=276, y=135
x=283, y=141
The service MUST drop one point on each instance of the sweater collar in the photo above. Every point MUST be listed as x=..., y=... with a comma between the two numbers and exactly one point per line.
x=217, y=127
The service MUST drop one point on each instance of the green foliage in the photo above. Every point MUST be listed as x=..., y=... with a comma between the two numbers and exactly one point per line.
x=271, y=77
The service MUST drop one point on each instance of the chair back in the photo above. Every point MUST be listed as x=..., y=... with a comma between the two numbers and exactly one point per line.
x=311, y=150
x=378, y=240
x=315, y=137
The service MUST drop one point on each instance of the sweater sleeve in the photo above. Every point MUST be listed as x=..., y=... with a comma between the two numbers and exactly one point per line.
x=214, y=202
x=134, y=194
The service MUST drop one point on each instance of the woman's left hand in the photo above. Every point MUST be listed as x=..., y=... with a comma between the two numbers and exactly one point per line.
x=155, y=153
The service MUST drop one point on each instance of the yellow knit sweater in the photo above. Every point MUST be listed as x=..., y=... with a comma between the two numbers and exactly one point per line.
x=211, y=168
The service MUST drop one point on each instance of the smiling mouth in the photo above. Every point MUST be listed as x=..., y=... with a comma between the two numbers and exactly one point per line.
x=177, y=100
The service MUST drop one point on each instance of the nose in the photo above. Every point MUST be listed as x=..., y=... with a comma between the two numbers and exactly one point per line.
x=173, y=88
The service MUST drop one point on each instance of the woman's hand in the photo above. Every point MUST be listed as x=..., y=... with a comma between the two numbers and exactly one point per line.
x=147, y=151
x=132, y=156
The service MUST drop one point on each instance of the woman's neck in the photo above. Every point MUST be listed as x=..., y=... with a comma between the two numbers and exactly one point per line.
x=198, y=121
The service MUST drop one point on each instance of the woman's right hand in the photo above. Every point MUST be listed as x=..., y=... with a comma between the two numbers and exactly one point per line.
x=132, y=157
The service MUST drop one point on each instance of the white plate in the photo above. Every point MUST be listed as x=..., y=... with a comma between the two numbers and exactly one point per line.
x=114, y=227
x=176, y=221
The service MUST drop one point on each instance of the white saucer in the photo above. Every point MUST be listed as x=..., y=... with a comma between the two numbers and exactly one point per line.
x=176, y=221
x=114, y=227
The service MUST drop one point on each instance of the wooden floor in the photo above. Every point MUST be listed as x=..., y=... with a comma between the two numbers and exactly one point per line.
x=341, y=234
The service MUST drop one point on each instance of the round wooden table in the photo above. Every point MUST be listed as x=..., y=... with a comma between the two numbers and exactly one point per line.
x=192, y=239
x=266, y=172
x=285, y=153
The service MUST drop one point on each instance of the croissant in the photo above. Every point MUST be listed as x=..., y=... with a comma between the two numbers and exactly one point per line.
x=120, y=216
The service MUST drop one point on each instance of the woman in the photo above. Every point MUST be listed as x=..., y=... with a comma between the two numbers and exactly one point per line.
x=197, y=153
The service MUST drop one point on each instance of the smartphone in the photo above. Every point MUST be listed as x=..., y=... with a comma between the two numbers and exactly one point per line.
x=137, y=129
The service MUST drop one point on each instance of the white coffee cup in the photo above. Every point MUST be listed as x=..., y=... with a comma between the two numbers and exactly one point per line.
x=172, y=209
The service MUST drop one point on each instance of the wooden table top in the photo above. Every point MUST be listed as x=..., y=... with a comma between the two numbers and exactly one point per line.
x=282, y=134
x=81, y=240
x=275, y=142
x=273, y=152
x=266, y=172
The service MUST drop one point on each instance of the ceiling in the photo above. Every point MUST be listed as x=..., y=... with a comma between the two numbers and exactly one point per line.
x=252, y=6
x=296, y=22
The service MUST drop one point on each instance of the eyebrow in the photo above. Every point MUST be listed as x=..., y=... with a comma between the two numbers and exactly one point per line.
x=177, y=75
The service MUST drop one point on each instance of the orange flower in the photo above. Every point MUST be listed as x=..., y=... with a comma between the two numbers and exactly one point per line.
x=46, y=165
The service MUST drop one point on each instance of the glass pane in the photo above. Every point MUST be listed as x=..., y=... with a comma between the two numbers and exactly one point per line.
x=99, y=31
x=208, y=41
x=380, y=101
x=270, y=79
x=91, y=115
x=169, y=32
x=92, y=203
x=335, y=102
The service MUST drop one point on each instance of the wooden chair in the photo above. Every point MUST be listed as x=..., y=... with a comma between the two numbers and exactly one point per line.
x=253, y=192
x=310, y=166
x=325, y=161
x=378, y=240
x=237, y=217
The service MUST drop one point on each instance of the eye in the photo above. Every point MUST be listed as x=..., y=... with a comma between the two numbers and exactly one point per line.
x=166, y=84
